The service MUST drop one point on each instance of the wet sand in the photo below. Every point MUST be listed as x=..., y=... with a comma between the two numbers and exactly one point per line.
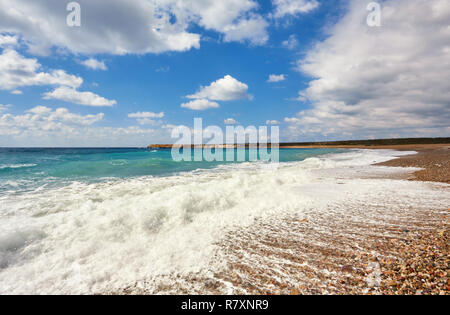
x=433, y=159
x=358, y=249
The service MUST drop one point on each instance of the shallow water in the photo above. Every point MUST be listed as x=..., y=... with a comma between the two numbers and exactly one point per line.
x=31, y=168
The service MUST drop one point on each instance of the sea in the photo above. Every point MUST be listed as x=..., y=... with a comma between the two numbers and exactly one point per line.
x=96, y=220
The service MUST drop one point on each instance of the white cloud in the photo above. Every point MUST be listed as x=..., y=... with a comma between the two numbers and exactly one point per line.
x=71, y=95
x=43, y=126
x=235, y=19
x=130, y=27
x=147, y=118
x=293, y=7
x=272, y=122
x=291, y=43
x=230, y=121
x=225, y=89
x=276, y=78
x=47, y=115
x=8, y=40
x=94, y=64
x=146, y=115
x=382, y=82
x=42, y=119
x=40, y=110
x=200, y=104
x=253, y=30
x=18, y=71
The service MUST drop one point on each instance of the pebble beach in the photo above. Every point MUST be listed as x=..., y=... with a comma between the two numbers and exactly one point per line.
x=396, y=244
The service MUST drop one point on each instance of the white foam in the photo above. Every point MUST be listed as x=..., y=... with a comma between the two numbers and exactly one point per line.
x=13, y=166
x=91, y=238
x=356, y=157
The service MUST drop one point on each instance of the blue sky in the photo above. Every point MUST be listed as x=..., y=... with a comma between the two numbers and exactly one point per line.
x=320, y=51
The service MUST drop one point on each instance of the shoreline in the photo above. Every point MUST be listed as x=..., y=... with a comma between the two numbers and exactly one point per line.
x=434, y=160
x=394, y=243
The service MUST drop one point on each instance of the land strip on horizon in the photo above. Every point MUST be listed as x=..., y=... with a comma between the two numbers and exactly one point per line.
x=372, y=144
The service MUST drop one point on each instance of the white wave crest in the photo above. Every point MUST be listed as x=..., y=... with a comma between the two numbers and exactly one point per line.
x=14, y=166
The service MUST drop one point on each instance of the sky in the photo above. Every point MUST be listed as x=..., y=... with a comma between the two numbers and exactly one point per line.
x=132, y=71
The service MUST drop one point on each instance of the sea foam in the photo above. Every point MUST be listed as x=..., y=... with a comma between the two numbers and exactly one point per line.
x=14, y=166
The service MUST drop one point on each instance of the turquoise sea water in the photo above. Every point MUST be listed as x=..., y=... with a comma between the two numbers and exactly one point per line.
x=23, y=169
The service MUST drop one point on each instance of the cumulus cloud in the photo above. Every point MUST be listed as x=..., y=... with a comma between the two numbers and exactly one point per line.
x=380, y=81
x=276, y=78
x=44, y=119
x=235, y=19
x=94, y=64
x=200, y=104
x=252, y=30
x=71, y=95
x=230, y=121
x=130, y=27
x=272, y=122
x=225, y=89
x=293, y=7
x=18, y=71
x=40, y=110
x=43, y=126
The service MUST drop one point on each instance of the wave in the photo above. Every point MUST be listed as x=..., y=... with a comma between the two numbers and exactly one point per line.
x=118, y=162
x=15, y=166
x=93, y=238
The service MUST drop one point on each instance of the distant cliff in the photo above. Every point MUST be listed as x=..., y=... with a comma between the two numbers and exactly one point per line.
x=160, y=146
